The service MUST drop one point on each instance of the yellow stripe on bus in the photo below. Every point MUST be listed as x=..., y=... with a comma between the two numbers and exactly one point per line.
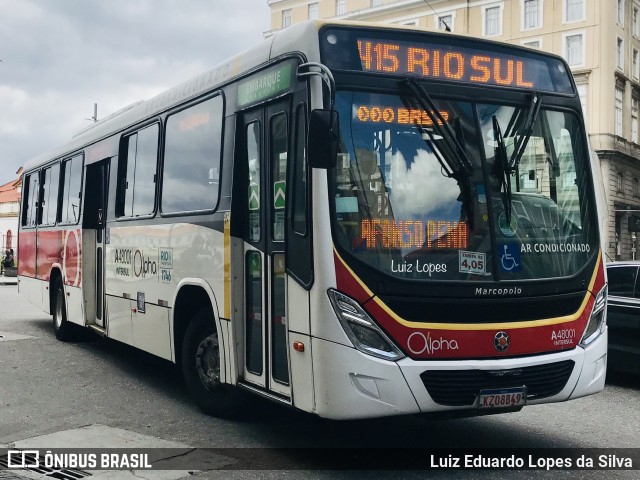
x=474, y=326
x=227, y=265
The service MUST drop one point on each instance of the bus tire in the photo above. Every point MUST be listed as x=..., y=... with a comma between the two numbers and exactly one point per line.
x=61, y=326
x=201, y=368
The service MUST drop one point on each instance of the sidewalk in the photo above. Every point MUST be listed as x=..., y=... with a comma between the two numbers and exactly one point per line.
x=8, y=280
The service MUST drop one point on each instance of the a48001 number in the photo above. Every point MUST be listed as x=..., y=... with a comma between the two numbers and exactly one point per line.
x=123, y=256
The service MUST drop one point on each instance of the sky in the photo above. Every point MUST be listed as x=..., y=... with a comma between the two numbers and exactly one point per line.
x=59, y=57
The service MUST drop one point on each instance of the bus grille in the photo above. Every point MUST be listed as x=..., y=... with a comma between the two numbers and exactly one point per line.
x=459, y=388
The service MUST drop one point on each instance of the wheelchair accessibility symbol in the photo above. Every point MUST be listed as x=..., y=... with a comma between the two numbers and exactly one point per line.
x=509, y=254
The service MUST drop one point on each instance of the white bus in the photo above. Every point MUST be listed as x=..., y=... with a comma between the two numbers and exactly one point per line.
x=355, y=220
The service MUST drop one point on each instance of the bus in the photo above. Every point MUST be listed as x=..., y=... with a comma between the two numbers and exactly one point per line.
x=351, y=219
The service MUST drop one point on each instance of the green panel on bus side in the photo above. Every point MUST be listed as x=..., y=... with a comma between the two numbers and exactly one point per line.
x=265, y=85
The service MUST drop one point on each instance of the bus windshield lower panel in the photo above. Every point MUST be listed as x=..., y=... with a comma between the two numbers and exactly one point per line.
x=417, y=199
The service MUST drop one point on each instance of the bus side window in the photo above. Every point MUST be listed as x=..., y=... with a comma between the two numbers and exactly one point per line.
x=300, y=183
x=71, y=189
x=254, y=146
x=279, y=156
x=192, y=152
x=298, y=252
x=137, y=169
x=50, y=187
x=30, y=202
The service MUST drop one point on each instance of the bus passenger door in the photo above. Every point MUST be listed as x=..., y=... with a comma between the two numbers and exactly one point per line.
x=93, y=225
x=265, y=144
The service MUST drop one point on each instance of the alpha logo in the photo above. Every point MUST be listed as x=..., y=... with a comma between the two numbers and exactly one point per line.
x=501, y=341
x=143, y=265
x=418, y=343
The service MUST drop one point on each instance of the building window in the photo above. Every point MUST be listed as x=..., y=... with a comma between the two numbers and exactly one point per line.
x=636, y=20
x=410, y=23
x=569, y=177
x=620, y=54
x=341, y=7
x=636, y=65
x=619, y=182
x=574, y=10
x=573, y=49
x=313, y=11
x=528, y=183
x=621, y=12
x=376, y=3
x=286, y=18
x=636, y=187
x=492, y=21
x=531, y=14
x=537, y=43
x=445, y=21
x=618, y=112
x=634, y=120
x=582, y=93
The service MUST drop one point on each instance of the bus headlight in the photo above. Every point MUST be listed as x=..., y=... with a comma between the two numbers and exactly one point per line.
x=598, y=319
x=361, y=329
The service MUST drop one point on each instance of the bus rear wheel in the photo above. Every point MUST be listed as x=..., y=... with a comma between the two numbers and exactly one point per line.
x=61, y=326
x=201, y=368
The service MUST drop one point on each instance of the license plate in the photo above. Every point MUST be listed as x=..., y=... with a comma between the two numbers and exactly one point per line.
x=503, y=398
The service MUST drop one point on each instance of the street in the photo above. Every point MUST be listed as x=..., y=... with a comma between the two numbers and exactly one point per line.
x=71, y=391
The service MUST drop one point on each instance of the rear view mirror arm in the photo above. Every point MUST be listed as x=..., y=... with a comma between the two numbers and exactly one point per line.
x=304, y=70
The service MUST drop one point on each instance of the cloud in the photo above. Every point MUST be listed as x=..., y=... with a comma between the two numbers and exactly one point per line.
x=420, y=191
x=59, y=57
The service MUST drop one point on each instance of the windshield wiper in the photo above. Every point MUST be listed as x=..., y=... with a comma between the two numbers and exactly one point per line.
x=442, y=128
x=523, y=139
x=502, y=169
x=504, y=166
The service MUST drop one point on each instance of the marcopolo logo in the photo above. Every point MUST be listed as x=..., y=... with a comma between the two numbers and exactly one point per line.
x=501, y=341
x=419, y=343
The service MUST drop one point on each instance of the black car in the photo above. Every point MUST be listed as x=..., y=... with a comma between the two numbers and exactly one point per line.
x=623, y=316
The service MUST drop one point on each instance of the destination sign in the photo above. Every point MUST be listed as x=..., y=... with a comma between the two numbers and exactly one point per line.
x=399, y=115
x=414, y=234
x=444, y=58
x=457, y=64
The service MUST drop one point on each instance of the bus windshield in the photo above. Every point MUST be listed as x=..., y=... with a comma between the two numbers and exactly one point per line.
x=437, y=195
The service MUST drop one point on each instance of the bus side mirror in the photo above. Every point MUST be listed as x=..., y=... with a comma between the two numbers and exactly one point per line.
x=323, y=138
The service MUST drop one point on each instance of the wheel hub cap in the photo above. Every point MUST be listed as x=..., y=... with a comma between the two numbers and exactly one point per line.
x=208, y=362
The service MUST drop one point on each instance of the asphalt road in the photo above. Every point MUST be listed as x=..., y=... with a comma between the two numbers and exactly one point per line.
x=47, y=386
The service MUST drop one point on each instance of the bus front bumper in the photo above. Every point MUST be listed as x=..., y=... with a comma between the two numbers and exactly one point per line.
x=349, y=384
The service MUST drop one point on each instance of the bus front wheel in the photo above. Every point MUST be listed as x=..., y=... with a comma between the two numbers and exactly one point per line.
x=61, y=326
x=201, y=368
